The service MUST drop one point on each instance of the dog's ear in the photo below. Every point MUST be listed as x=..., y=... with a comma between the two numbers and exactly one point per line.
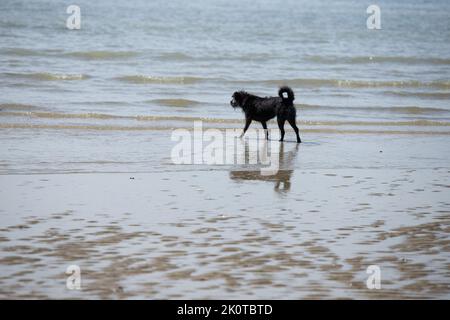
x=243, y=97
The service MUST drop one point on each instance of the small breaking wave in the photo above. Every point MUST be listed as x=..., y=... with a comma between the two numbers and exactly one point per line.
x=176, y=102
x=175, y=56
x=57, y=115
x=414, y=110
x=376, y=109
x=357, y=83
x=377, y=59
x=17, y=107
x=102, y=116
x=422, y=95
x=46, y=76
x=143, y=79
x=24, y=52
x=96, y=127
x=102, y=54
x=85, y=55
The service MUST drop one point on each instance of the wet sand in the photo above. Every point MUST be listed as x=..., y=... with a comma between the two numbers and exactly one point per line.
x=148, y=229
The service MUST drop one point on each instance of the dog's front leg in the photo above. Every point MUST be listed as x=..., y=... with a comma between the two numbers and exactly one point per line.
x=264, y=124
x=247, y=124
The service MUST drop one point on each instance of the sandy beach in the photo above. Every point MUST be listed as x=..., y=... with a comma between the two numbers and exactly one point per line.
x=153, y=230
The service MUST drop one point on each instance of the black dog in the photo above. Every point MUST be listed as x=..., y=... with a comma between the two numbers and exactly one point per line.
x=264, y=109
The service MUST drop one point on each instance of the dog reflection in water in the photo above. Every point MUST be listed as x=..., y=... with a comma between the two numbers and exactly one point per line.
x=282, y=177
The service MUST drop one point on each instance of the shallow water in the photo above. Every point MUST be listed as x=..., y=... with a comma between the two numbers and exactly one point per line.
x=86, y=175
x=186, y=59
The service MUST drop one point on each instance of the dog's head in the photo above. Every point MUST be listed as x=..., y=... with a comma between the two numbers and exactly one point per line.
x=238, y=99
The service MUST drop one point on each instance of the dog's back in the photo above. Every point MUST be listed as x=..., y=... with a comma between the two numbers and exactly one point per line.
x=263, y=109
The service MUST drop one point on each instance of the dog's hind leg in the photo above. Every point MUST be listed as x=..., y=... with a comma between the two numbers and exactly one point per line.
x=247, y=124
x=264, y=124
x=281, y=127
x=294, y=126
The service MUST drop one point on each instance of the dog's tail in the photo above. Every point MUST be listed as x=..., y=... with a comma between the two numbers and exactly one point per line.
x=290, y=94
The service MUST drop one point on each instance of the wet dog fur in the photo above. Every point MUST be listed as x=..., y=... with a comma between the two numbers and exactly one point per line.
x=263, y=109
